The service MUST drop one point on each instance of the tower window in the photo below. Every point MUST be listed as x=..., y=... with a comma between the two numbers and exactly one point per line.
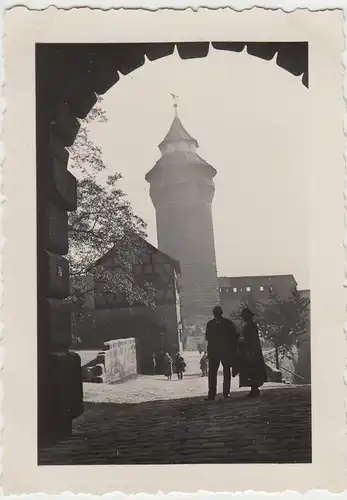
x=248, y=288
x=261, y=288
x=234, y=290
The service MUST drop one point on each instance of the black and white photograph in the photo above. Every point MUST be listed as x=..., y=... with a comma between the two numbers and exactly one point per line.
x=177, y=209
x=184, y=280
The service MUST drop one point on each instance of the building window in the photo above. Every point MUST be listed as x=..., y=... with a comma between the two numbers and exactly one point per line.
x=220, y=290
x=248, y=288
x=270, y=288
x=261, y=288
x=234, y=290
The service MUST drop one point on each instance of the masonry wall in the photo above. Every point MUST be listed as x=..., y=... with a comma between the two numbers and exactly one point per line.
x=119, y=360
x=303, y=367
x=155, y=331
x=182, y=199
x=233, y=291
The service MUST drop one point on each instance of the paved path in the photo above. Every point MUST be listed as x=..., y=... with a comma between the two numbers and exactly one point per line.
x=153, y=421
x=154, y=388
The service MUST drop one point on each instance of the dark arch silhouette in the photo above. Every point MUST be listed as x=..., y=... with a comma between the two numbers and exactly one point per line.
x=68, y=77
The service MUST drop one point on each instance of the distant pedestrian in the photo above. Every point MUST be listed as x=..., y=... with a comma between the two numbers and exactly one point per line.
x=204, y=364
x=168, y=366
x=252, y=365
x=154, y=363
x=180, y=365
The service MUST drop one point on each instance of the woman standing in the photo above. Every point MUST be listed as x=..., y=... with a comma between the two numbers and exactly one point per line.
x=204, y=364
x=168, y=366
x=252, y=365
x=154, y=363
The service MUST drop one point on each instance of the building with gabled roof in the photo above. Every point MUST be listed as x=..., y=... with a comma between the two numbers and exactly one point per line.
x=109, y=316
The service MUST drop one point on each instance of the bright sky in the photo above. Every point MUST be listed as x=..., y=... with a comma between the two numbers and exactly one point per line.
x=251, y=120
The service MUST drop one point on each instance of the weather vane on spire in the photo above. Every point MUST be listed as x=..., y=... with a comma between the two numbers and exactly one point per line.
x=175, y=97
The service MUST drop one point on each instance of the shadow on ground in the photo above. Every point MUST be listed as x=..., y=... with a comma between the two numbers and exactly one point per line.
x=276, y=428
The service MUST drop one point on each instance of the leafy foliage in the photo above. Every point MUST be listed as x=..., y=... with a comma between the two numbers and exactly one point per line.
x=280, y=321
x=104, y=220
x=285, y=320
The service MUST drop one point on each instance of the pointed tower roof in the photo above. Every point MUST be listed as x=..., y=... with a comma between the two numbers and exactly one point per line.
x=177, y=133
x=178, y=150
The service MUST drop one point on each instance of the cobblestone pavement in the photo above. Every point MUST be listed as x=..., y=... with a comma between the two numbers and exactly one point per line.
x=168, y=422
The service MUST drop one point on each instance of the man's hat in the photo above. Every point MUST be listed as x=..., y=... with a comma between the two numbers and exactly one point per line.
x=246, y=312
x=218, y=308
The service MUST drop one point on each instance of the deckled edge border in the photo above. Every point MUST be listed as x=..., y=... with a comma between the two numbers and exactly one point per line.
x=286, y=6
x=2, y=238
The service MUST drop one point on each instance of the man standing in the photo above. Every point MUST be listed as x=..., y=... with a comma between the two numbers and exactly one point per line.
x=221, y=339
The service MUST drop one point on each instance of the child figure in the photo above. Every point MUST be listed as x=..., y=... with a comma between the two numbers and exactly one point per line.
x=180, y=365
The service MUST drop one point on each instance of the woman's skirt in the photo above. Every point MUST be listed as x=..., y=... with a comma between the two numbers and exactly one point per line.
x=168, y=370
x=252, y=371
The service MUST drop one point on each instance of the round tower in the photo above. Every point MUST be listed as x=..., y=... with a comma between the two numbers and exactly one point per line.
x=182, y=190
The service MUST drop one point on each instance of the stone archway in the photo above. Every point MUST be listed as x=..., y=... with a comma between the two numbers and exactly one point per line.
x=68, y=77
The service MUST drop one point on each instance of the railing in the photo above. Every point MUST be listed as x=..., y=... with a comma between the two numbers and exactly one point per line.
x=285, y=369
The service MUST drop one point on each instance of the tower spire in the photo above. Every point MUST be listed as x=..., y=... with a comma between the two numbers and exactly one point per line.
x=175, y=105
x=177, y=138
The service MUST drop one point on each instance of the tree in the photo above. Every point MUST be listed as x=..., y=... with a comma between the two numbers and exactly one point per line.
x=284, y=321
x=250, y=302
x=280, y=321
x=103, y=220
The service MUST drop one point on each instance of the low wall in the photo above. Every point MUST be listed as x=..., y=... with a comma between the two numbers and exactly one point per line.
x=303, y=365
x=272, y=374
x=297, y=369
x=287, y=366
x=118, y=361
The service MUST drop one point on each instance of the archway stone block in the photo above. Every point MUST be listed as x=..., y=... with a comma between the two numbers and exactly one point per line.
x=130, y=57
x=191, y=50
x=231, y=46
x=264, y=50
x=80, y=100
x=64, y=124
x=59, y=317
x=57, y=230
x=293, y=57
x=58, y=150
x=58, y=272
x=158, y=50
x=64, y=187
